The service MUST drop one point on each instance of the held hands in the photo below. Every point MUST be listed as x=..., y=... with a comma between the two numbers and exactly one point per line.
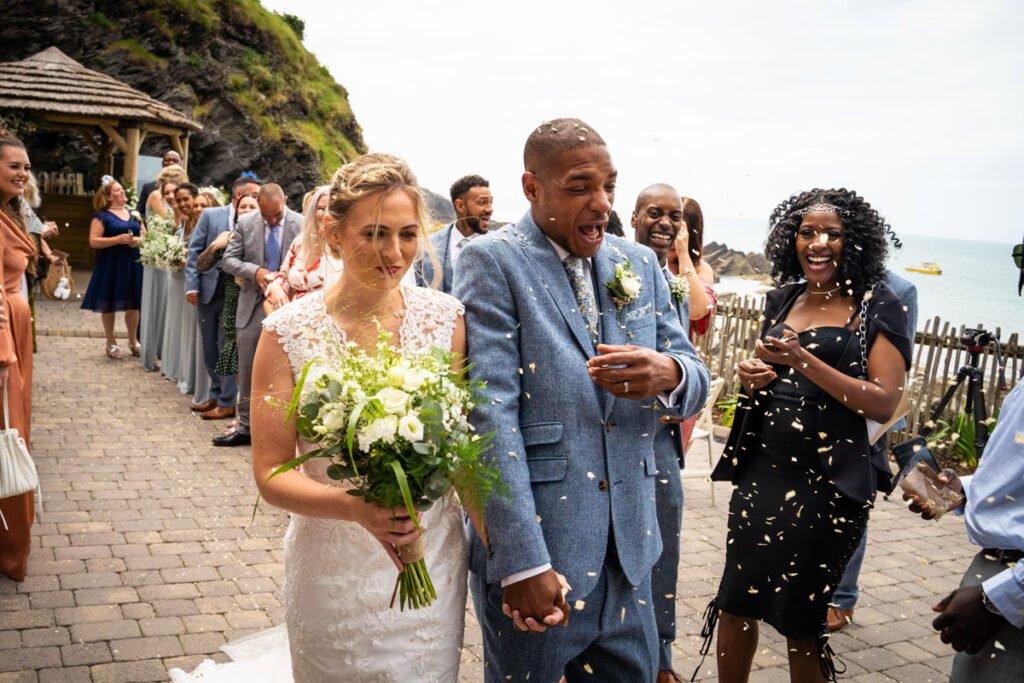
x=390, y=526
x=275, y=296
x=785, y=351
x=636, y=372
x=50, y=231
x=126, y=238
x=192, y=297
x=918, y=506
x=755, y=374
x=537, y=603
x=965, y=622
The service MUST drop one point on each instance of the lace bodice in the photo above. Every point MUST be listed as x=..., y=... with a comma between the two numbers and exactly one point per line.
x=307, y=331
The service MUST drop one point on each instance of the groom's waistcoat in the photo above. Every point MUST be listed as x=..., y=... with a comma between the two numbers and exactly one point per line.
x=579, y=461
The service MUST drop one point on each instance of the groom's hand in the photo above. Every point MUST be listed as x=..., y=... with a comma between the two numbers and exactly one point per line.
x=536, y=603
x=636, y=372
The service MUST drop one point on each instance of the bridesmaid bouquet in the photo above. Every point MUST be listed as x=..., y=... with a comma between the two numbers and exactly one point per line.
x=160, y=250
x=394, y=427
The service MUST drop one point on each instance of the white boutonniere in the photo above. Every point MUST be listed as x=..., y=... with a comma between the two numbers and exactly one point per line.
x=136, y=215
x=625, y=287
x=679, y=286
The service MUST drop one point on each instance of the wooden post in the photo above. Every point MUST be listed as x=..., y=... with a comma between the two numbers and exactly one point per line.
x=133, y=140
x=184, y=152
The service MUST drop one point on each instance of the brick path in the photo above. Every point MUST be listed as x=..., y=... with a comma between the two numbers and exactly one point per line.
x=146, y=557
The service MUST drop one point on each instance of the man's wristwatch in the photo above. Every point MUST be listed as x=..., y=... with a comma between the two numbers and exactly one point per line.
x=989, y=605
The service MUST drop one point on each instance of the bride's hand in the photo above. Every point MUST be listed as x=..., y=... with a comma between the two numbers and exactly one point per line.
x=390, y=526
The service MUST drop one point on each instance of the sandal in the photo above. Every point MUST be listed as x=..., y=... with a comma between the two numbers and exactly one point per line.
x=114, y=352
x=135, y=348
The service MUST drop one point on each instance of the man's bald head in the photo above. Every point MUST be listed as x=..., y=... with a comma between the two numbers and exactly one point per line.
x=650, y=191
x=551, y=139
x=270, y=191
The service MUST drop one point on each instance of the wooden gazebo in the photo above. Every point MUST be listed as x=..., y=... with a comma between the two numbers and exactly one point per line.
x=58, y=93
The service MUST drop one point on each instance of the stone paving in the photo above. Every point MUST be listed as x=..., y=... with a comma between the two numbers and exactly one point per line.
x=146, y=557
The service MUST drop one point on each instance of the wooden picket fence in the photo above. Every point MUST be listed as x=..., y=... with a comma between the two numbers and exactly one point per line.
x=938, y=355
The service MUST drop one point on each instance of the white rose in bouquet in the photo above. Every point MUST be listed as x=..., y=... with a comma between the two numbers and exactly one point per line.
x=414, y=379
x=396, y=375
x=394, y=400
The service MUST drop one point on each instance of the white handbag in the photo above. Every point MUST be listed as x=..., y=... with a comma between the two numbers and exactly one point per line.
x=17, y=470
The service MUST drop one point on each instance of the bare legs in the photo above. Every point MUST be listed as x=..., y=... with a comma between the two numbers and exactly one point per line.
x=737, y=644
x=804, y=664
x=131, y=322
x=108, y=327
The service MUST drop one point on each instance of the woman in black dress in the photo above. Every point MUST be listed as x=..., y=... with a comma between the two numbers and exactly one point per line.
x=833, y=352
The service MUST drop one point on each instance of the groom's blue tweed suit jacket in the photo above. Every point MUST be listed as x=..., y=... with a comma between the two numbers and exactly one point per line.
x=579, y=461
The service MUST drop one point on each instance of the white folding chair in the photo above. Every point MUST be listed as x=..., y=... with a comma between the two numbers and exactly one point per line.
x=704, y=429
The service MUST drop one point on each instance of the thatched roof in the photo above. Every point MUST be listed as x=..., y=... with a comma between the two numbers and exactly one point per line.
x=52, y=82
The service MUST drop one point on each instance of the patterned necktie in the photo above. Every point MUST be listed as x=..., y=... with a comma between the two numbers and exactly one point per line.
x=584, y=296
x=273, y=250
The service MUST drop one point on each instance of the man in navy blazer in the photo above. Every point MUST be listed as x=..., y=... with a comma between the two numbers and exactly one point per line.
x=572, y=373
x=657, y=220
x=206, y=290
x=474, y=204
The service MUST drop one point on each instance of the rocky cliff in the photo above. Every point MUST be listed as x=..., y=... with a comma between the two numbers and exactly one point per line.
x=726, y=261
x=266, y=103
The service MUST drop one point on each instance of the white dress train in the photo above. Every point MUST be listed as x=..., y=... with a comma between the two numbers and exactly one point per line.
x=338, y=579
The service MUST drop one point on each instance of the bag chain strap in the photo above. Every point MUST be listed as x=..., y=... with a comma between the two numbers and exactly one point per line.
x=862, y=332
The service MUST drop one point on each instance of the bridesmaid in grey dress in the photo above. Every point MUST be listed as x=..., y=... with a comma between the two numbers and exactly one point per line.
x=154, y=290
x=192, y=376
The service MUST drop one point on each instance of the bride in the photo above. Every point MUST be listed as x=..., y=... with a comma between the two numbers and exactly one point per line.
x=340, y=558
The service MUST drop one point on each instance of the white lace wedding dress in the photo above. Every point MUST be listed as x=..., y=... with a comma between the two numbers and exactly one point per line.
x=338, y=579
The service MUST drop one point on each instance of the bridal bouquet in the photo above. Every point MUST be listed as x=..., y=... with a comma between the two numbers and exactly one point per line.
x=160, y=250
x=157, y=222
x=394, y=427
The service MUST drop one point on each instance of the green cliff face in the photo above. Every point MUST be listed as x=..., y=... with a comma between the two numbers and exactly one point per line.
x=266, y=103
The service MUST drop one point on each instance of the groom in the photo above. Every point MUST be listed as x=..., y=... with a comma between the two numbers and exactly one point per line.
x=572, y=377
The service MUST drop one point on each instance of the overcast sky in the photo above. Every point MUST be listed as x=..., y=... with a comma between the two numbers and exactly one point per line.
x=919, y=106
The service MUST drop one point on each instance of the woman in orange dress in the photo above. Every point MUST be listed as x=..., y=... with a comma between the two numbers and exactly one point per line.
x=17, y=254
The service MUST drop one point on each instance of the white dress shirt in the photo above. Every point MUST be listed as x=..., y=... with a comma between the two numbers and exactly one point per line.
x=455, y=243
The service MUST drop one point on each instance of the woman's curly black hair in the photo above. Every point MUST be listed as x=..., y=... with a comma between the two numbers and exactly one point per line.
x=865, y=242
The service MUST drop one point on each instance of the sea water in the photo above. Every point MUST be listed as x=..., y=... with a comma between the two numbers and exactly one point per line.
x=978, y=284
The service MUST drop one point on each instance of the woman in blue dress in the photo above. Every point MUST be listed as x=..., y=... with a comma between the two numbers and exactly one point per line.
x=116, y=283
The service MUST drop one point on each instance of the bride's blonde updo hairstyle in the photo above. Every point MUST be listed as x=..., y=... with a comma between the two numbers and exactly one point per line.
x=381, y=173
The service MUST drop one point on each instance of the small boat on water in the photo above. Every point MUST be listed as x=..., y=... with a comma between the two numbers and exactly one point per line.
x=927, y=268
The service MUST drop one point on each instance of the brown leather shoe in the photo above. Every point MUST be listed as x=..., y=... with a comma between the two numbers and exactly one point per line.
x=838, y=618
x=203, y=407
x=218, y=413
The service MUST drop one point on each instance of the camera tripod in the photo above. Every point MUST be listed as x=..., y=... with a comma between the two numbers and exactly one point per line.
x=975, y=402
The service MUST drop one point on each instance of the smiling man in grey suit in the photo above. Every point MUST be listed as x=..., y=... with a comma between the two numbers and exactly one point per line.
x=657, y=220
x=257, y=247
x=474, y=204
x=571, y=379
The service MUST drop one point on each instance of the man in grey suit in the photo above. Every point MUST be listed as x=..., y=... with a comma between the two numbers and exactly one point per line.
x=474, y=204
x=657, y=219
x=206, y=290
x=257, y=247
x=571, y=377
